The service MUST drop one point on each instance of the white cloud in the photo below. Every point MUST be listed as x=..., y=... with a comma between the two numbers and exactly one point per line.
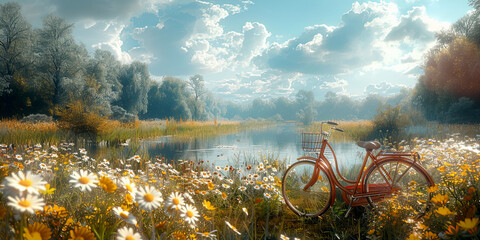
x=331, y=50
x=384, y=89
x=190, y=40
x=415, y=26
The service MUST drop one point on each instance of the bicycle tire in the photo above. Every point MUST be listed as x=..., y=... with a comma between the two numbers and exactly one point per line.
x=410, y=182
x=313, y=202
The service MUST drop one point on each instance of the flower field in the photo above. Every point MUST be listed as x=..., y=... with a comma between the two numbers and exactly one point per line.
x=60, y=192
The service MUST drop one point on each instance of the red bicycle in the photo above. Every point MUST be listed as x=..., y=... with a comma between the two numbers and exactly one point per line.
x=308, y=185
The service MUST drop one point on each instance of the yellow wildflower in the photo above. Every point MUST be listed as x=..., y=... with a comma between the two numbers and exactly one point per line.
x=208, y=205
x=413, y=236
x=468, y=223
x=430, y=235
x=37, y=231
x=440, y=199
x=48, y=190
x=81, y=233
x=444, y=211
x=107, y=184
x=432, y=189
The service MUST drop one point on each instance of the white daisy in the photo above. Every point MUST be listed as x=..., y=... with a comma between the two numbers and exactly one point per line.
x=25, y=182
x=128, y=185
x=189, y=197
x=190, y=214
x=233, y=228
x=148, y=198
x=83, y=180
x=135, y=158
x=175, y=201
x=125, y=215
x=28, y=204
x=209, y=235
x=127, y=233
x=43, y=166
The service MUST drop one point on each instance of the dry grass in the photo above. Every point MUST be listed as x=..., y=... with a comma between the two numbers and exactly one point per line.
x=353, y=130
x=17, y=125
x=16, y=132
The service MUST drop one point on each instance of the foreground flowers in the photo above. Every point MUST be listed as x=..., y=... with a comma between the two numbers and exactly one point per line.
x=468, y=223
x=28, y=204
x=189, y=214
x=148, y=198
x=126, y=233
x=201, y=200
x=28, y=182
x=37, y=231
x=83, y=233
x=125, y=215
x=83, y=180
x=175, y=201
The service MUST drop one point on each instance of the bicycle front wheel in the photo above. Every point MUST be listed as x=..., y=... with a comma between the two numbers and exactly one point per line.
x=310, y=202
x=403, y=182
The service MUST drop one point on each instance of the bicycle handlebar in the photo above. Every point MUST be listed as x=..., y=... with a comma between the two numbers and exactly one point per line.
x=338, y=129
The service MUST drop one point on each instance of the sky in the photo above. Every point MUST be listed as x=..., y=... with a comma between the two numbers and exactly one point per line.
x=248, y=49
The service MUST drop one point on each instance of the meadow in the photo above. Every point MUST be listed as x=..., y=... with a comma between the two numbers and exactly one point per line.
x=58, y=191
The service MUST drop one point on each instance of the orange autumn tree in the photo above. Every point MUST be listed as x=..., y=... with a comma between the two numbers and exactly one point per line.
x=455, y=70
x=449, y=91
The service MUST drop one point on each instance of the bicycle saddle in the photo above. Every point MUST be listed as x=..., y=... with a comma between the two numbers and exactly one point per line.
x=369, y=145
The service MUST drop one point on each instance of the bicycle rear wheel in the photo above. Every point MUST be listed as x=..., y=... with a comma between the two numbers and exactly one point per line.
x=409, y=181
x=310, y=202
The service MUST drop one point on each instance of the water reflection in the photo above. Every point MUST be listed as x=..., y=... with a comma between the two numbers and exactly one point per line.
x=283, y=141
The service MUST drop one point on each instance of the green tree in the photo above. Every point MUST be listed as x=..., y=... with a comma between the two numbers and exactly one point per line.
x=174, y=99
x=135, y=81
x=15, y=35
x=305, y=104
x=15, y=61
x=59, y=56
x=196, y=85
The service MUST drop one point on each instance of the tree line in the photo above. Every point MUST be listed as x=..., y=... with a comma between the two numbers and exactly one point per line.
x=46, y=71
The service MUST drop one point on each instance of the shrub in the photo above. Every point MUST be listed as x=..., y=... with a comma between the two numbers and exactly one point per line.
x=78, y=118
x=389, y=121
x=37, y=118
x=120, y=114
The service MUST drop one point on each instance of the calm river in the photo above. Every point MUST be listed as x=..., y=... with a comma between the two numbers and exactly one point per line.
x=282, y=141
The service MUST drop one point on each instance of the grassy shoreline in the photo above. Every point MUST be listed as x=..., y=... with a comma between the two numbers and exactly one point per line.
x=15, y=132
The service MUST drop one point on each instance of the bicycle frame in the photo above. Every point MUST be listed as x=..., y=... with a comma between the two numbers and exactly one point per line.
x=321, y=162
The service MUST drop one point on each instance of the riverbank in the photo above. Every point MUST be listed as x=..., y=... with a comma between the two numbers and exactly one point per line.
x=365, y=130
x=16, y=132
